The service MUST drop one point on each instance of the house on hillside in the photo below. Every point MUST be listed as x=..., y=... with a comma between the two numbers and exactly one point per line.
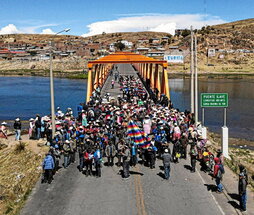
x=127, y=44
x=157, y=55
x=155, y=41
x=143, y=41
x=112, y=47
x=164, y=39
x=142, y=50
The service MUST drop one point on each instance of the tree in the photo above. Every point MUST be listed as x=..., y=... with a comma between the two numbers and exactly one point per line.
x=186, y=32
x=120, y=46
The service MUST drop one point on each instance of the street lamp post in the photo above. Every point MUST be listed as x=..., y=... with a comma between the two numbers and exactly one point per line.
x=52, y=98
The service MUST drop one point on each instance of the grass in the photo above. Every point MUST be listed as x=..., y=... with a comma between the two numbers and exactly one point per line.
x=40, y=72
x=19, y=173
x=238, y=156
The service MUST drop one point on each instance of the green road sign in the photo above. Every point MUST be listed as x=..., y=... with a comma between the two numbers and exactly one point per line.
x=214, y=100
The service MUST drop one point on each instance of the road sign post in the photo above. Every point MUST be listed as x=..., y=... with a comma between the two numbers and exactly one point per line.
x=218, y=100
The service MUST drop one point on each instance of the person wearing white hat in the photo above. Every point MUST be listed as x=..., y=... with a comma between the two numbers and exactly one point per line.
x=67, y=150
x=17, y=127
x=166, y=157
x=31, y=127
x=3, y=130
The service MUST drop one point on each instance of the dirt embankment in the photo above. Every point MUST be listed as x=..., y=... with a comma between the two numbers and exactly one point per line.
x=240, y=154
x=20, y=168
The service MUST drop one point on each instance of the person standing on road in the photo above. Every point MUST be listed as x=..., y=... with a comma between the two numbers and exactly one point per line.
x=17, y=127
x=166, y=157
x=97, y=161
x=112, y=84
x=126, y=162
x=218, y=173
x=110, y=153
x=48, y=166
x=66, y=152
x=193, y=157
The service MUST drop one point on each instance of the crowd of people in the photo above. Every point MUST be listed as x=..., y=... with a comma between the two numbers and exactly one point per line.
x=132, y=128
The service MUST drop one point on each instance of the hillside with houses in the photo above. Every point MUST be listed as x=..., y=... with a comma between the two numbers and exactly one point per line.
x=225, y=47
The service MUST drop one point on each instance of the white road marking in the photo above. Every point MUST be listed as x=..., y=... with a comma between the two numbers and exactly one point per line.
x=222, y=212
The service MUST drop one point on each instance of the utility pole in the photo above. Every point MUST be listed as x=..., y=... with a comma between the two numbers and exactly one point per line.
x=192, y=73
x=52, y=97
x=196, y=80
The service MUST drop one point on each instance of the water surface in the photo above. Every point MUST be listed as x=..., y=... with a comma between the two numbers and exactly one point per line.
x=26, y=96
x=240, y=115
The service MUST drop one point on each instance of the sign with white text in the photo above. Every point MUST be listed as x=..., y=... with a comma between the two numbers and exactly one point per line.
x=174, y=58
x=214, y=100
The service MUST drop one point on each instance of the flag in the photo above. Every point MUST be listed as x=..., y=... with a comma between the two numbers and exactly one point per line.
x=137, y=135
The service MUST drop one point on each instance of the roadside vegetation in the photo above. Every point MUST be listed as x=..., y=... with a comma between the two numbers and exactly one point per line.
x=20, y=168
x=238, y=156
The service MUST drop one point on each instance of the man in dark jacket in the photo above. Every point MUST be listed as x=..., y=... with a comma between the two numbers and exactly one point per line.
x=242, y=188
x=17, y=127
x=166, y=157
x=126, y=162
x=110, y=153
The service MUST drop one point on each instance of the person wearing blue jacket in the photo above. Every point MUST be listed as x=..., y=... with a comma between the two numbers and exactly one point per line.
x=97, y=161
x=48, y=167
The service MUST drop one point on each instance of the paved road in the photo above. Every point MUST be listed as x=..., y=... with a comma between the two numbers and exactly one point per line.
x=144, y=193
x=124, y=69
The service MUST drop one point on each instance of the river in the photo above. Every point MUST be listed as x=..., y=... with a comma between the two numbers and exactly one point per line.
x=24, y=97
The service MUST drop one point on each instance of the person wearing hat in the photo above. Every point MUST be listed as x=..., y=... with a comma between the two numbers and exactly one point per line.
x=166, y=157
x=218, y=174
x=48, y=166
x=17, y=127
x=110, y=153
x=242, y=187
x=126, y=162
x=66, y=152
x=3, y=130
x=31, y=127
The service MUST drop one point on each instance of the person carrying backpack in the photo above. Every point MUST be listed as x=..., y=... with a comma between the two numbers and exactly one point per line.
x=218, y=174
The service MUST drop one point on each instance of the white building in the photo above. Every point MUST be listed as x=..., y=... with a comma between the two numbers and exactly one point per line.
x=112, y=47
x=127, y=43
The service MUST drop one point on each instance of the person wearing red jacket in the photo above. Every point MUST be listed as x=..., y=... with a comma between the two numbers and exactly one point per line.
x=217, y=173
x=88, y=156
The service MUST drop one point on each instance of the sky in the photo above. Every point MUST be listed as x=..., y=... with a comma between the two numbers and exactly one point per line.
x=91, y=17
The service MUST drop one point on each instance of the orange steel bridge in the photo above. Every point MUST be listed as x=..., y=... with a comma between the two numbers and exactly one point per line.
x=148, y=68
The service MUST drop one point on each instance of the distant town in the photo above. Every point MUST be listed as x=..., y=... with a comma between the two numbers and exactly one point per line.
x=229, y=43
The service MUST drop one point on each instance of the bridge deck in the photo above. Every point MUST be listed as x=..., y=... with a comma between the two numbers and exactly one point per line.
x=144, y=193
x=123, y=69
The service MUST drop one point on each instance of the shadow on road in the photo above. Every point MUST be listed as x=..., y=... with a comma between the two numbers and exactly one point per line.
x=211, y=187
x=188, y=167
x=161, y=175
x=234, y=196
x=136, y=173
x=234, y=203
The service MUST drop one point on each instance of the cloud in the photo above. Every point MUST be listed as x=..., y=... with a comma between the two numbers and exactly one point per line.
x=153, y=22
x=47, y=31
x=12, y=29
x=9, y=29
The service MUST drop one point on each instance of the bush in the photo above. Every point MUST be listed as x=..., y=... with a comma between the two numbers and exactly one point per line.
x=20, y=147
